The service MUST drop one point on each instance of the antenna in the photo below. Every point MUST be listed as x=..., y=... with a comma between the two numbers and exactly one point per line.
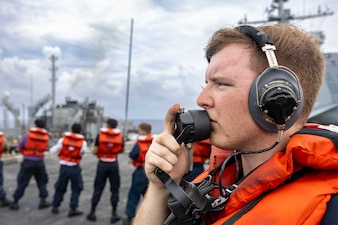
x=125, y=129
x=284, y=15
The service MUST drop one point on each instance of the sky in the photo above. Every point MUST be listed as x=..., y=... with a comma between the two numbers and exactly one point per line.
x=91, y=40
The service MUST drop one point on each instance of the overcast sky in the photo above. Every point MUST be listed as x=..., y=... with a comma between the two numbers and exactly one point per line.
x=91, y=40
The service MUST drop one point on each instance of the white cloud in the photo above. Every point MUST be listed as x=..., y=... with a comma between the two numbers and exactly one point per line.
x=167, y=64
x=48, y=51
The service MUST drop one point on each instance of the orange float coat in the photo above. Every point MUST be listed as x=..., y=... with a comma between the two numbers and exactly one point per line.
x=71, y=147
x=143, y=142
x=201, y=151
x=217, y=156
x=301, y=180
x=110, y=143
x=1, y=143
x=37, y=142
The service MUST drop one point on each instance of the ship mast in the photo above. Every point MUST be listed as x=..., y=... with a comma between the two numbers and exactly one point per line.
x=284, y=15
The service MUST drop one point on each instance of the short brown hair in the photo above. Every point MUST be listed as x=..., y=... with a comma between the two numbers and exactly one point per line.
x=295, y=49
x=145, y=127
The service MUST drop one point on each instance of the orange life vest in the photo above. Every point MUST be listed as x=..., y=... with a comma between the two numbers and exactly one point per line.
x=143, y=142
x=71, y=147
x=110, y=143
x=1, y=143
x=37, y=142
x=301, y=201
x=201, y=151
x=217, y=156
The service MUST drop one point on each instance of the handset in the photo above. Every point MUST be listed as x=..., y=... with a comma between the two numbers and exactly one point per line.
x=190, y=126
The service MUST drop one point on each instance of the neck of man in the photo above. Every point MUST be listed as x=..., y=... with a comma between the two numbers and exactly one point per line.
x=252, y=161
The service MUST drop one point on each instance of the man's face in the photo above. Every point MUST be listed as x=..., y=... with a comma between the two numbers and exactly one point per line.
x=142, y=132
x=225, y=98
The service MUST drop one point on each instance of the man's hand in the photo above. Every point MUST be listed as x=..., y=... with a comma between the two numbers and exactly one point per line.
x=165, y=152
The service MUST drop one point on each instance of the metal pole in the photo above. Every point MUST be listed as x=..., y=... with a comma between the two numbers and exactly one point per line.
x=53, y=58
x=128, y=78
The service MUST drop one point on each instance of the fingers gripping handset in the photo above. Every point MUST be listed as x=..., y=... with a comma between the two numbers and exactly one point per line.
x=190, y=126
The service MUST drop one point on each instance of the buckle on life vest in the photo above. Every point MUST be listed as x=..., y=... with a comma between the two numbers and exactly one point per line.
x=218, y=204
x=227, y=191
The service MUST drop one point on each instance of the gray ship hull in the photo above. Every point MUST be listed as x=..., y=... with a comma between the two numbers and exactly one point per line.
x=325, y=110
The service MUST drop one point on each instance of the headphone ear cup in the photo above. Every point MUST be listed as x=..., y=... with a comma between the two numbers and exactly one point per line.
x=275, y=98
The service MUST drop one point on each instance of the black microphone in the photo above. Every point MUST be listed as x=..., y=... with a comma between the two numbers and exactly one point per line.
x=190, y=126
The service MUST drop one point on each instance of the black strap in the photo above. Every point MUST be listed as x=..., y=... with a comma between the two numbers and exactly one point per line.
x=251, y=204
x=174, y=188
x=244, y=210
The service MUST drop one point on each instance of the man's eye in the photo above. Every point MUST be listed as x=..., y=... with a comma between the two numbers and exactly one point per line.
x=219, y=84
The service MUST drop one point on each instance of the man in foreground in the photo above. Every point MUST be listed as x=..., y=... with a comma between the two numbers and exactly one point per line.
x=261, y=85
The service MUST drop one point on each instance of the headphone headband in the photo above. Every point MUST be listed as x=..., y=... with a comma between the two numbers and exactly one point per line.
x=263, y=41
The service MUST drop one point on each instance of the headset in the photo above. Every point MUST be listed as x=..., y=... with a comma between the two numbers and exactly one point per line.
x=275, y=97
